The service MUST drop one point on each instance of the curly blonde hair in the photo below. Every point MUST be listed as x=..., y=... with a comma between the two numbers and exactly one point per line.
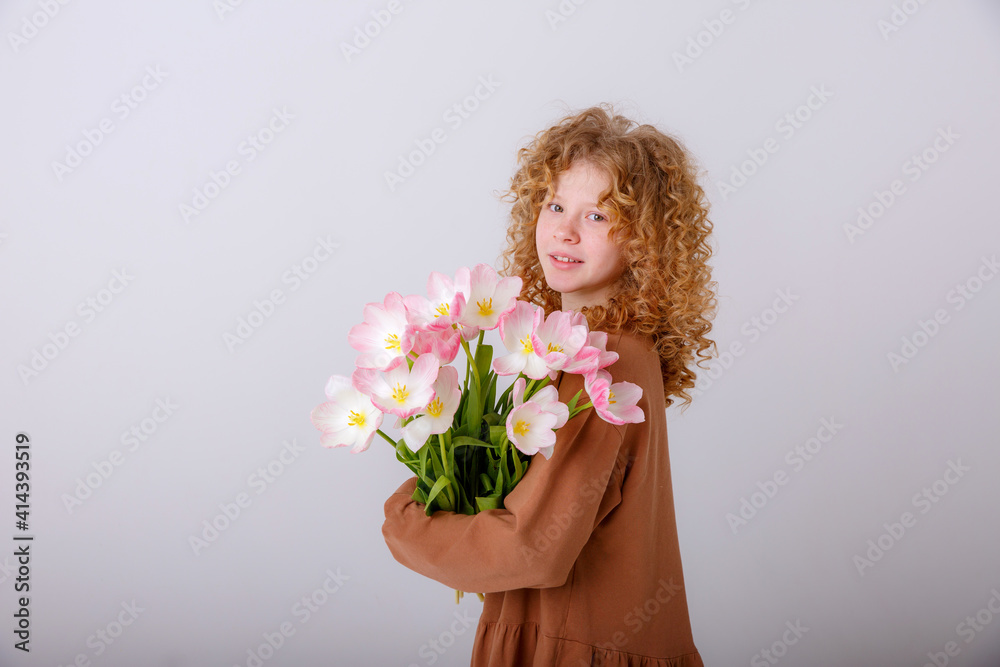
x=659, y=217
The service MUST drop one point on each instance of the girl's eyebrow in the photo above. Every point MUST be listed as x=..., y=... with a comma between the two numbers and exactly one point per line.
x=555, y=196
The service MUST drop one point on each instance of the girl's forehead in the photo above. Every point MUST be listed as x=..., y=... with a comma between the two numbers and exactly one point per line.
x=585, y=172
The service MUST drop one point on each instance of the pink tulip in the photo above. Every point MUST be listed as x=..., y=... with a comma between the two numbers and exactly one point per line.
x=517, y=331
x=445, y=304
x=398, y=390
x=530, y=429
x=564, y=342
x=489, y=297
x=348, y=419
x=587, y=361
x=442, y=343
x=439, y=413
x=380, y=337
x=614, y=403
x=547, y=398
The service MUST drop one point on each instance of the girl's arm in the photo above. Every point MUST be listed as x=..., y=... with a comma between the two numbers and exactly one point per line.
x=548, y=517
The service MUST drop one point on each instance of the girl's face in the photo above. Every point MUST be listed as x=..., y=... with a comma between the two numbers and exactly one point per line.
x=571, y=227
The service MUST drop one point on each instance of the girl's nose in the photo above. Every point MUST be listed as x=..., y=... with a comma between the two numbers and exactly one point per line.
x=566, y=229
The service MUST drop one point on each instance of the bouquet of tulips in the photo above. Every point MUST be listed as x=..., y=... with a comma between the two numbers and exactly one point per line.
x=457, y=439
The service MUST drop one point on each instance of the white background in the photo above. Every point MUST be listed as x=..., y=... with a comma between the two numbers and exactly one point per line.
x=63, y=234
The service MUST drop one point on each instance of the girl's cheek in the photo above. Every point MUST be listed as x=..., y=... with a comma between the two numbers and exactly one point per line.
x=543, y=223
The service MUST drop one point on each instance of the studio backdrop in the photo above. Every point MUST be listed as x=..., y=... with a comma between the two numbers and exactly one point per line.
x=199, y=199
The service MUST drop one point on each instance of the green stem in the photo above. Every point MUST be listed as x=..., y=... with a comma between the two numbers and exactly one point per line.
x=451, y=490
x=579, y=409
x=468, y=363
x=534, y=388
x=444, y=456
x=472, y=361
x=502, y=401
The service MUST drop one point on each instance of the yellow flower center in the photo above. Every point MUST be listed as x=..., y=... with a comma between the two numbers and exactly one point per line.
x=356, y=419
x=521, y=427
x=399, y=393
x=442, y=309
x=611, y=396
x=485, y=306
x=526, y=343
x=435, y=408
x=392, y=342
x=554, y=347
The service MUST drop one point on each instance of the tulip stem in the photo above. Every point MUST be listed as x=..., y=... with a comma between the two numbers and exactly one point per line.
x=472, y=362
x=579, y=409
x=447, y=473
x=444, y=456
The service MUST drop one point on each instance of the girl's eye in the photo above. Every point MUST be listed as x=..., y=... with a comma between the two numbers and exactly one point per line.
x=556, y=208
x=597, y=217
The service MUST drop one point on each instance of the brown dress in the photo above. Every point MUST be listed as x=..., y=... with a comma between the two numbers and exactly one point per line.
x=582, y=567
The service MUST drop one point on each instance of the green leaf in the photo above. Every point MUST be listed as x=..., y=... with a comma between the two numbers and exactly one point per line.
x=518, y=468
x=497, y=434
x=487, y=503
x=437, y=488
x=501, y=470
x=474, y=409
x=505, y=397
x=403, y=452
x=484, y=359
x=436, y=462
x=486, y=481
x=423, y=462
x=491, y=392
x=465, y=441
x=419, y=495
x=573, y=401
x=477, y=394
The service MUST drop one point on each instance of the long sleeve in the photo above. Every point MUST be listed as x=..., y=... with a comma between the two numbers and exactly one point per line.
x=548, y=518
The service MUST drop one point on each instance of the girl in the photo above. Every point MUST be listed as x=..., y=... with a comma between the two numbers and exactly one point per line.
x=582, y=566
